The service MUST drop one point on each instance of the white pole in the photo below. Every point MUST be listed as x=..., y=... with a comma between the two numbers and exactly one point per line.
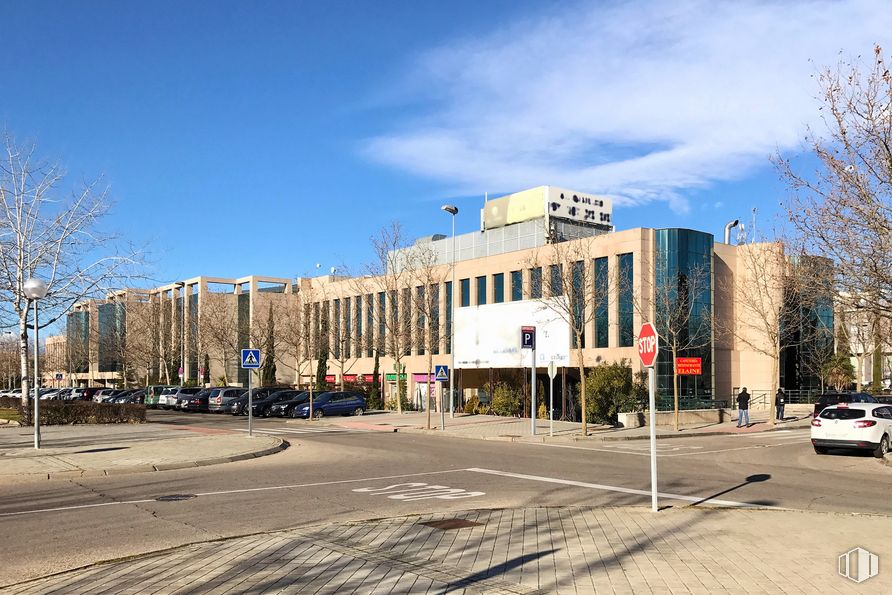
x=36, y=382
x=551, y=405
x=651, y=387
x=442, y=405
x=452, y=331
x=250, y=407
x=533, y=395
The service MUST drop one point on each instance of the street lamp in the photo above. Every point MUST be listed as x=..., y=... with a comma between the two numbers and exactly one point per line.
x=35, y=290
x=452, y=210
x=182, y=286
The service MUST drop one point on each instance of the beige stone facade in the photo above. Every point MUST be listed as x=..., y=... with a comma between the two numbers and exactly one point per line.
x=222, y=316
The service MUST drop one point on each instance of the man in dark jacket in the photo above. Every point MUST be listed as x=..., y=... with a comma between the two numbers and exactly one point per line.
x=779, y=400
x=743, y=407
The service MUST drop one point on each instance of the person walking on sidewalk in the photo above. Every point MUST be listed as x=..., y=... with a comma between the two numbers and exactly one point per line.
x=743, y=407
x=779, y=401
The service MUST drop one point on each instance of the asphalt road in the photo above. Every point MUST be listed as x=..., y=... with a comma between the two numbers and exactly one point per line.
x=330, y=475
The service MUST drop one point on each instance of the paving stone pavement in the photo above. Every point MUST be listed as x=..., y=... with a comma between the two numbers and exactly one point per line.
x=536, y=550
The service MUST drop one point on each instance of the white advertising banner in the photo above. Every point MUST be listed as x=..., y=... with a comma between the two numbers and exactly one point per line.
x=489, y=336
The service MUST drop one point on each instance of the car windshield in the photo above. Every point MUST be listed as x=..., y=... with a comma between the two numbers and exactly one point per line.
x=215, y=392
x=843, y=413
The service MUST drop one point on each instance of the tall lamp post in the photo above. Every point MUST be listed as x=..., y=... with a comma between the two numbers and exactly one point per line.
x=452, y=210
x=181, y=285
x=35, y=290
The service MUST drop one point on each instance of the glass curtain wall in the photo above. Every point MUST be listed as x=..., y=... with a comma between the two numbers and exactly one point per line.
x=683, y=302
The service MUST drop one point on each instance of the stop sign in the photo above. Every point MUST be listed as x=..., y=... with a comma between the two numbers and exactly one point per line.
x=648, y=344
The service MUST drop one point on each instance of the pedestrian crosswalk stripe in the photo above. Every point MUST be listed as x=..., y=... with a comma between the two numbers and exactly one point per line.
x=305, y=431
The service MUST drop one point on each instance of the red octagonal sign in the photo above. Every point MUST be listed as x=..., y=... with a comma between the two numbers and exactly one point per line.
x=648, y=344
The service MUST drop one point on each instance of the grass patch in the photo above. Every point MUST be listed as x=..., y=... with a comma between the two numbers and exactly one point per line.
x=10, y=414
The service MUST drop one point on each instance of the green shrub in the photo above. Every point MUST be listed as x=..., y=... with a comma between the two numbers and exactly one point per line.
x=472, y=405
x=506, y=400
x=54, y=413
x=611, y=389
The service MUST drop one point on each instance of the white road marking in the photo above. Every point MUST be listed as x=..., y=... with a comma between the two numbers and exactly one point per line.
x=276, y=431
x=412, y=491
x=226, y=492
x=596, y=486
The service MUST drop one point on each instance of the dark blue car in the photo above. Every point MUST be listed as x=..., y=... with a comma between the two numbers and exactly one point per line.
x=333, y=403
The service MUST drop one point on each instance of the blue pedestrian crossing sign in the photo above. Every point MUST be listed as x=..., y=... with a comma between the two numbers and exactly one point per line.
x=441, y=373
x=250, y=359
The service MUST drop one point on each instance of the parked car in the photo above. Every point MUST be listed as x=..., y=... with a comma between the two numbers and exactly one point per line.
x=261, y=406
x=333, y=403
x=864, y=426
x=83, y=393
x=288, y=408
x=828, y=399
x=182, y=396
x=220, y=399
x=153, y=393
x=49, y=395
x=164, y=399
x=240, y=405
x=199, y=401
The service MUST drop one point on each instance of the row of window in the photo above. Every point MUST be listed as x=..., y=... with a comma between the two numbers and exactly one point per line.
x=408, y=333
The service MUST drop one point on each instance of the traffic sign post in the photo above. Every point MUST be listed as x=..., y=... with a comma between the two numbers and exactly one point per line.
x=441, y=376
x=648, y=349
x=250, y=361
x=552, y=371
x=528, y=341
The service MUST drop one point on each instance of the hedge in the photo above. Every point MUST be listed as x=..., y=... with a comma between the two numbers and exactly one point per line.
x=84, y=412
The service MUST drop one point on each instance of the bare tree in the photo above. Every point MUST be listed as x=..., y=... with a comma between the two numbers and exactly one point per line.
x=843, y=210
x=294, y=327
x=569, y=270
x=217, y=329
x=390, y=275
x=46, y=235
x=427, y=277
x=767, y=310
x=684, y=320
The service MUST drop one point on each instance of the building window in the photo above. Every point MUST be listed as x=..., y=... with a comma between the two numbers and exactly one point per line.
x=420, y=328
x=578, y=302
x=498, y=288
x=435, y=318
x=369, y=324
x=338, y=338
x=536, y=283
x=406, y=308
x=516, y=286
x=449, y=317
x=358, y=316
x=348, y=327
x=556, y=283
x=601, y=299
x=382, y=320
x=626, y=297
x=481, y=291
x=464, y=293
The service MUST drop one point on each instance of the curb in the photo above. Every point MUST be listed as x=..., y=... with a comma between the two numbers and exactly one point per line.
x=149, y=468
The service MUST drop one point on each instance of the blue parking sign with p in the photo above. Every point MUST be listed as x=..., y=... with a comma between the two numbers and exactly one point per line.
x=250, y=359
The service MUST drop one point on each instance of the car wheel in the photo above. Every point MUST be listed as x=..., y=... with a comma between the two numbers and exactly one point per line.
x=821, y=450
x=318, y=414
x=358, y=411
x=883, y=448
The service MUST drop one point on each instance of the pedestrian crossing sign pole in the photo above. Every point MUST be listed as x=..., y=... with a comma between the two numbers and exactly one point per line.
x=250, y=361
x=441, y=375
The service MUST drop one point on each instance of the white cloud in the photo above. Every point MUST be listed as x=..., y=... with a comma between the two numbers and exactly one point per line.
x=640, y=100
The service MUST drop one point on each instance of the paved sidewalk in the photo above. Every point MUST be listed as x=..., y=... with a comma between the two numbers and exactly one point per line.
x=493, y=427
x=538, y=550
x=90, y=450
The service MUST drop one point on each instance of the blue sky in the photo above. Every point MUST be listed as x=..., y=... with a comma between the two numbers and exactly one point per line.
x=265, y=137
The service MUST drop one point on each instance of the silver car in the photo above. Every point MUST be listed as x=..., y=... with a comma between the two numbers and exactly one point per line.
x=221, y=398
x=168, y=397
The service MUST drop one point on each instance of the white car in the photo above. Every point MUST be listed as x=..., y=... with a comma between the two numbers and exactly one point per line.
x=863, y=426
